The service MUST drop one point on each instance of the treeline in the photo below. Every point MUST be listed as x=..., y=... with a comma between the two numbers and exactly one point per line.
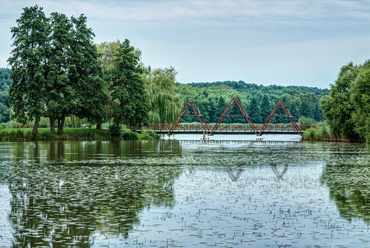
x=59, y=77
x=57, y=73
x=347, y=107
x=258, y=100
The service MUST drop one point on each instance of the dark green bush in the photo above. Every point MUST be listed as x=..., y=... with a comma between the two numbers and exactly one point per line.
x=128, y=135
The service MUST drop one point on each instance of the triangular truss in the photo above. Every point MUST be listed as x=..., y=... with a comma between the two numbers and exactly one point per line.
x=224, y=114
x=190, y=105
x=273, y=114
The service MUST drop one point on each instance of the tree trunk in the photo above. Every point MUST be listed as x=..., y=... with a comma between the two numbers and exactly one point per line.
x=52, y=124
x=34, y=130
x=98, y=126
x=61, y=125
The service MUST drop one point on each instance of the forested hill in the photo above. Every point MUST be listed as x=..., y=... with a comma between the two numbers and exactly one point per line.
x=258, y=100
x=241, y=85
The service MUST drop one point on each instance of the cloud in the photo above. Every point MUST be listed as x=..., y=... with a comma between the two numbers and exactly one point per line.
x=222, y=11
x=264, y=41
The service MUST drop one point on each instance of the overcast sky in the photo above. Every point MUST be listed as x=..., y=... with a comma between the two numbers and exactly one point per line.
x=300, y=42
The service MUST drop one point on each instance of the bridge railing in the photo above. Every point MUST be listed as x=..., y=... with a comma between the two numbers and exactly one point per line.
x=222, y=127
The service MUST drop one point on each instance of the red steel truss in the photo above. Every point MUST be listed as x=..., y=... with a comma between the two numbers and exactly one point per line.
x=197, y=113
x=273, y=114
x=191, y=105
x=224, y=114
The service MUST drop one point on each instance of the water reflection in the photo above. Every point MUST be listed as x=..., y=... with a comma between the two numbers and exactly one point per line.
x=57, y=205
x=278, y=174
x=347, y=175
x=179, y=193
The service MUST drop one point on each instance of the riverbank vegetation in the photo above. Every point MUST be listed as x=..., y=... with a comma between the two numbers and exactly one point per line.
x=347, y=107
x=26, y=134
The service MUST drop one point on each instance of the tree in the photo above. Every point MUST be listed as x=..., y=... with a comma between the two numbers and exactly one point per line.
x=85, y=74
x=337, y=106
x=304, y=110
x=128, y=88
x=29, y=63
x=61, y=93
x=75, y=84
x=164, y=103
x=265, y=108
x=108, y=60
x=5, y=82
x=254, y=110
x=360, y=96
x=221, y=105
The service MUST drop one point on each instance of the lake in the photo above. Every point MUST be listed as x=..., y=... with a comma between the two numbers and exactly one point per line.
x=228, y=191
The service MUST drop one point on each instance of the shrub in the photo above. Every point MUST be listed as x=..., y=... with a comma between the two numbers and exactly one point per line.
x=129, y=135
x=115, y=131
x=306, y=121
x=154, y=135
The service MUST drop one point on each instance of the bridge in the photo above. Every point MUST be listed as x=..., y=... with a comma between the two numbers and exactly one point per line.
x=219, y=128
x=222, y=129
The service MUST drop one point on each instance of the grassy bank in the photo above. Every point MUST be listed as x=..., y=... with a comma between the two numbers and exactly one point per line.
x=321, y=133
x=25, y=134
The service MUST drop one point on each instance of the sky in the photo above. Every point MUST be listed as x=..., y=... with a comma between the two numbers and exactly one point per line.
x=288, y=42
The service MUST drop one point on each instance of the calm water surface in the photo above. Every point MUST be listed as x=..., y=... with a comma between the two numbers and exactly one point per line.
x=185, y=193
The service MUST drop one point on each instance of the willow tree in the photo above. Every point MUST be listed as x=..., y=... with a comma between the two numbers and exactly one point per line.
x=128, y=88
x=164, y=103
x=29, y=65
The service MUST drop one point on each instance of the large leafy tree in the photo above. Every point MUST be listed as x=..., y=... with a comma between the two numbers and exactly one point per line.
x=337, y=106
x=360, y=96
x=128, y=88
x=108, y=60
x=29, y=65
x=61, y=94
x=85, y=74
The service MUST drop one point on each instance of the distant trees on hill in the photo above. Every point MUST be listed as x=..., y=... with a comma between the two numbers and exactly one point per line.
x=258, y=100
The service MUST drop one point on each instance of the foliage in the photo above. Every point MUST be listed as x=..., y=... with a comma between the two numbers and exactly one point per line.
x=129, y=135
x=26, y=134
x=306, y=121
x=164, y=103
x=86, y=74
x=29, y=65
x=347, y=108
x=55, y=71
x=338, y=107
x=321, y=133
x=5, y=82
x=149, y=134
x=258, y=100
x=128, y=88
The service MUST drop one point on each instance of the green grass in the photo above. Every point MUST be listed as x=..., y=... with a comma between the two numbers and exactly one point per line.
x=25, y=134
x=321, y=133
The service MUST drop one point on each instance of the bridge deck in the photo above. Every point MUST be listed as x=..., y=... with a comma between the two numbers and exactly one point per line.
x=222, y=129
x=219, y=132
